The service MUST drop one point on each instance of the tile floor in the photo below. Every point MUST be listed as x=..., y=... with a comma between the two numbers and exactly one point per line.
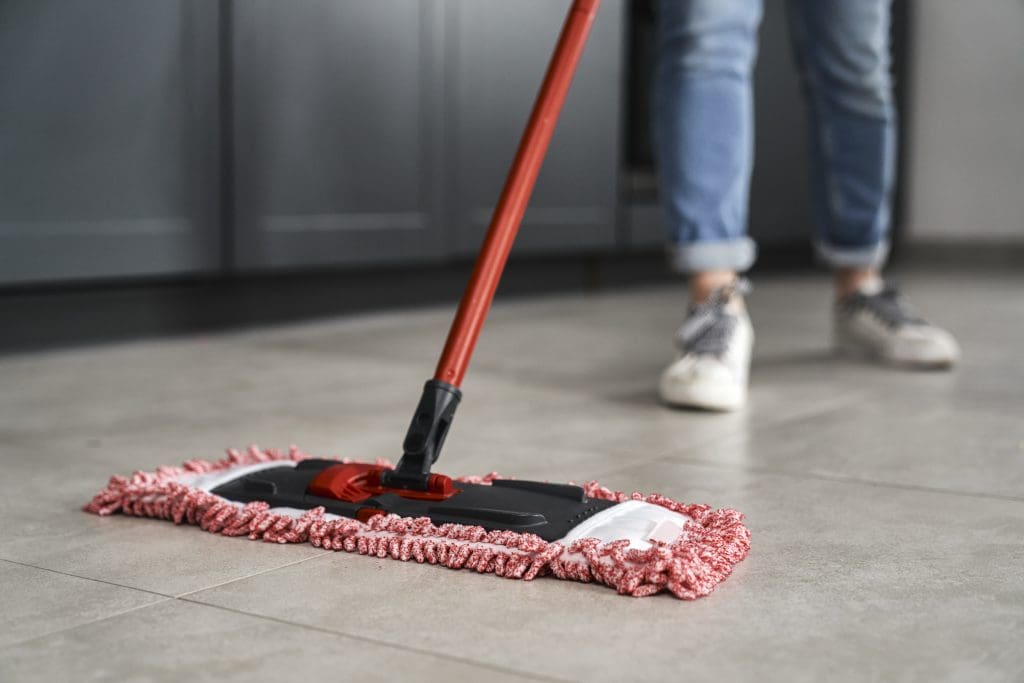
x=887, y=508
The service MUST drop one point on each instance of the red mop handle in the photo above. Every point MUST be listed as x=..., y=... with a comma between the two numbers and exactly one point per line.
x=508, y=214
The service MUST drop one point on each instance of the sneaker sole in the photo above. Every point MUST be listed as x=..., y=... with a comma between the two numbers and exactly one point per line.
x=710, y=398
x=849, y=349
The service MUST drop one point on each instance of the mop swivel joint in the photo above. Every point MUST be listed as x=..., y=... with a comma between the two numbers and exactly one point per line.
x=423, y=441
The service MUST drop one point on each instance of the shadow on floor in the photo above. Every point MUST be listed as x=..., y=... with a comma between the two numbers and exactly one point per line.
x=801, y=358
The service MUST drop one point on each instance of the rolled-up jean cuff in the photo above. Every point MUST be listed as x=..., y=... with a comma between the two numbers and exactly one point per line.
x=695, y=257
x=873, y=256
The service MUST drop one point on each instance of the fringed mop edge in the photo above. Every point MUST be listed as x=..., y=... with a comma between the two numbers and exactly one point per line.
x=714, y=542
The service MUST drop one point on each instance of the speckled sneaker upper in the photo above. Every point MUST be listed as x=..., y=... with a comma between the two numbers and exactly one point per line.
x=875, y=322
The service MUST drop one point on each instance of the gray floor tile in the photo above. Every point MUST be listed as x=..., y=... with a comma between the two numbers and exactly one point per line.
x=149, y=555
x=36, y=602
x=893, y=442
x=194, y=382
x=176, y=641
x=845, y=582
x=41, y=500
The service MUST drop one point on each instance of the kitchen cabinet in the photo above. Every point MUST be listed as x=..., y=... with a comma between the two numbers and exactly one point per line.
x=337, y=132
x=108, y=139
x=498, y=52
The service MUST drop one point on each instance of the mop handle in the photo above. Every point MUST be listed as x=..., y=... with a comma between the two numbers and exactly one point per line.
x=508, y=214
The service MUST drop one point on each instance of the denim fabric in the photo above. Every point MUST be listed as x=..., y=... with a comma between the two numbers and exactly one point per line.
x=703, y=126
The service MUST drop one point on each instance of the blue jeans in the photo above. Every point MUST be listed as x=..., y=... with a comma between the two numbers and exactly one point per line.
x=703, y=127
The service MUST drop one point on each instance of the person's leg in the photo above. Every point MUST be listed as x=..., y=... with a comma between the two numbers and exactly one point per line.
x=842, y=47
x=703, y=135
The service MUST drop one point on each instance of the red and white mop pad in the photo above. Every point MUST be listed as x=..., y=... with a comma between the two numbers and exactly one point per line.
x=687, y=549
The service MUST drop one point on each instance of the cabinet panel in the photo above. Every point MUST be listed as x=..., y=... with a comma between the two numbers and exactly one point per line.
x=336, y=131
x=498, y=52
x=108, y=138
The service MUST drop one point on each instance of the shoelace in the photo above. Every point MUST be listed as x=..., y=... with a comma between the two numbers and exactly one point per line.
x=887, y=306
x=708, y=327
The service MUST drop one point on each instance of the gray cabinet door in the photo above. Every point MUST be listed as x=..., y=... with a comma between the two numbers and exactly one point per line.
x=336, y=132
x=498, y=52
x=108, y=138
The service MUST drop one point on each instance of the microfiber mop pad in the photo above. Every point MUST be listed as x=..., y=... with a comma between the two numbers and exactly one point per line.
x=700, y=556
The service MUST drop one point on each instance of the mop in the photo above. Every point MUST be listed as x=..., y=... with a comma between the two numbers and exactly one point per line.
x=637, y=544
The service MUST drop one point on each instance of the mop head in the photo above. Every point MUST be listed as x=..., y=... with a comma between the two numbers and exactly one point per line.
x=688, y=565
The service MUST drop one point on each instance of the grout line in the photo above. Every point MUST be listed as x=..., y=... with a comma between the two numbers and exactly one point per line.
x=839, y=479
x=168, y=596
x=113, y=615
x=322, y=554
x=164, y=598
x=711, y=441
x=385, y=643
x=772, y=425
x=87, y=578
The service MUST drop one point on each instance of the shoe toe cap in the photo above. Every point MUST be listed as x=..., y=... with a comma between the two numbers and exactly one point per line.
x=927, y=346
x=702, y=383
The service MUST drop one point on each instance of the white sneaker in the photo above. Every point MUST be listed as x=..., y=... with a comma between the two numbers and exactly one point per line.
x=713, y=361
x=876, y=323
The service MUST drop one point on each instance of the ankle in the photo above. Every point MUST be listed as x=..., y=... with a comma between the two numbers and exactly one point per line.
x=704, y=283
x=851, y=280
